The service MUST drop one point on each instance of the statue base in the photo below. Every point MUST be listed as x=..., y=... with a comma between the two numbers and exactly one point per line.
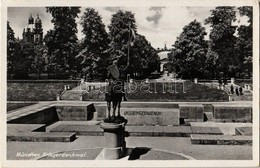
x=114, y=138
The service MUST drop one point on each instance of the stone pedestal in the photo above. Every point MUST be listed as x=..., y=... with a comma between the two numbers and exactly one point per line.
x=58, y=97
x=114, y=140
x=232, y=81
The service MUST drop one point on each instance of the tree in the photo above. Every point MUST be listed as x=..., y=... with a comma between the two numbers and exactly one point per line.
x=142, y=56
x=145, y=59
x=95, y=43
x=244, y=45
x=119, y=33
x=222, y=40
x=62, y=42
x=40, y=60
x=11, y=49
x=211, y=62
x=190, y=48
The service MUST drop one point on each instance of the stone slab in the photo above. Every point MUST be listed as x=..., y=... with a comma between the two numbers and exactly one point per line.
x=166, y=131
x=151, y=116
x=75, y=112
x=87, y=130
x=15, y=128
x=42, y=136
x=244, y=131
x=171, y=131
x=232, y=113
x=194, y=113
x=220, y=139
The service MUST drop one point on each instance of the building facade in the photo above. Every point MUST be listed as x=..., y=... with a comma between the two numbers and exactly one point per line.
x=33, y=32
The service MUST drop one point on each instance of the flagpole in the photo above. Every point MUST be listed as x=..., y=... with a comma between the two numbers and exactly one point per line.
x=128, y=51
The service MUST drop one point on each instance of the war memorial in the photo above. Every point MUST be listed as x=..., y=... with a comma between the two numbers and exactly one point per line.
x=109, y=95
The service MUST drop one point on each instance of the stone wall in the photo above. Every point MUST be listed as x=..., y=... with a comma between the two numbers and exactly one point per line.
x=232, y=113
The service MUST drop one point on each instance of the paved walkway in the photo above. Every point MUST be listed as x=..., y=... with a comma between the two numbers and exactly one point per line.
x=171, y=144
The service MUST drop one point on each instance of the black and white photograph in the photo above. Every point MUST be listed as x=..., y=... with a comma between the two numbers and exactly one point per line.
x=130, y=84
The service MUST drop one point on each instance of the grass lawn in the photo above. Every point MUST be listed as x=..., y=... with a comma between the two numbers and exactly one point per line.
x=171, y=92
x=190, y=92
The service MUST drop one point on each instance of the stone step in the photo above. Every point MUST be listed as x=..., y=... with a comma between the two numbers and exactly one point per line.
x=167, y=131
x=42, y=136
x=209, y=116
x=220, y=139
x=244, y=131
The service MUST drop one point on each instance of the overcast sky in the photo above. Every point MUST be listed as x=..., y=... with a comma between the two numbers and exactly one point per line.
x=160, y=25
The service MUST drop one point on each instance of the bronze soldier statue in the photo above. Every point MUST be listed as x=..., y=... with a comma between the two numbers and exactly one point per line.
x=115, y=91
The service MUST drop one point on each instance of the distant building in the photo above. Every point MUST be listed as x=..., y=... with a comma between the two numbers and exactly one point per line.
x=33, y=32
x=165, y=48
x=164, y=59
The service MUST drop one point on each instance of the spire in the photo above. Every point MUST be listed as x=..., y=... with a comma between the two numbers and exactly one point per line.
x=30, y=20
x=38, y=20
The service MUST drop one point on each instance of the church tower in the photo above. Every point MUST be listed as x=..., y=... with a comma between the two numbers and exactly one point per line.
x=33, y=32
x=38, y=30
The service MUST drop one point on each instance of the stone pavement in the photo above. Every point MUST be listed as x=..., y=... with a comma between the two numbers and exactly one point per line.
x=171, y=144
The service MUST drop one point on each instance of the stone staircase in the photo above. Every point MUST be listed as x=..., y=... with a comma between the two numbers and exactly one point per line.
x=73, y=94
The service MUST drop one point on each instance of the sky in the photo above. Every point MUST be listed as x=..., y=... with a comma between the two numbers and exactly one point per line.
x=160, y=25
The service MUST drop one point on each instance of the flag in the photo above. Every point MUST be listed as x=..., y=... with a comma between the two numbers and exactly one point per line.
x=132, y=37
x=81, y=54
x=113, y=70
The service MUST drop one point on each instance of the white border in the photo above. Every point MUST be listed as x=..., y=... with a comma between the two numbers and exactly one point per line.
x=96, y=3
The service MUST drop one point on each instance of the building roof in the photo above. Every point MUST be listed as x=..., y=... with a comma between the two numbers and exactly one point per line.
x=38, y=20
x=29, y=28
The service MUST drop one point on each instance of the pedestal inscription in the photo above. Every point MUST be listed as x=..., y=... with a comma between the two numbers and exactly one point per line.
x=151, y=116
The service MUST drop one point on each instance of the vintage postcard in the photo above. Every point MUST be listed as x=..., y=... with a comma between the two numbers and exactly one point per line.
x=130, y=83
